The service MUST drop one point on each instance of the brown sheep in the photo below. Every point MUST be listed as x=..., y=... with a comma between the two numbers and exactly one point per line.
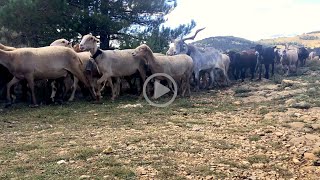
x=179, y=67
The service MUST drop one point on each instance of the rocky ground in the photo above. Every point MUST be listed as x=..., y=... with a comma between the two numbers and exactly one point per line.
x=252, y=130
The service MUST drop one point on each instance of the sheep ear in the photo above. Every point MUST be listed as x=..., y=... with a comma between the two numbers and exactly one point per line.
x=95, y=39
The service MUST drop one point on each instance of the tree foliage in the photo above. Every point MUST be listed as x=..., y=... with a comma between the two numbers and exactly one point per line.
x=39, y=22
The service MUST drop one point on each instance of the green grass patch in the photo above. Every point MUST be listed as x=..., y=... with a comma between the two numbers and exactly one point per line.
x=254, y=137
x=258, y=159
x=241, y=90
x=85, y=153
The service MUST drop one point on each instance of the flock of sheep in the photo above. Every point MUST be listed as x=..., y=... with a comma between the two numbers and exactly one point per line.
x=65, y=68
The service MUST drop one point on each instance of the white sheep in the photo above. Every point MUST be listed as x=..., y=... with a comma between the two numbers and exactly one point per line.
x=112, y=63
x=92, y=74
x=40, y=63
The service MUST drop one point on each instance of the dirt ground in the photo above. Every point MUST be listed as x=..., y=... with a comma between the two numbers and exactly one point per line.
x=265, y=129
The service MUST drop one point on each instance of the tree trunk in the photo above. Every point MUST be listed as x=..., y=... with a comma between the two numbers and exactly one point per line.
x=104, y=41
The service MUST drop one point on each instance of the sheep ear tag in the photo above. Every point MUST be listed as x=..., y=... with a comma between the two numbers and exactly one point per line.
x=160, y=90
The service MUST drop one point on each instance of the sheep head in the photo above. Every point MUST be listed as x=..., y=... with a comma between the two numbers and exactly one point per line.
x=143, y=51
x=88, y=42
x=61, y=42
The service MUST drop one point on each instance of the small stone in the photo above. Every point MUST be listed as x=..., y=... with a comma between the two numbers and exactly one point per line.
x=108, y=150
x=258, y=165
x=287, y=88
x=312, y=90
x=62, y=162
x=84, y=177
x=312, y=137
x=316, y=150
x=242, y=138
x=278, y=134
x=297, y=115
x=309, y=156
x=290, y=102
x=301, y=105
x=287, y=82
x=141, y=171
x=316, y=163
x=261, y=133
x=246, y=163
x=237, y=103
x=209, y=177
x=287, y=145
x=315, y=126
x=297, y=125
x=95, y=114
x=196, y=128
x=296, y=161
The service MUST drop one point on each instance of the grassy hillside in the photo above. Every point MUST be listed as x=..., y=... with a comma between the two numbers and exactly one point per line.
x=310, y=40
x=224, y=43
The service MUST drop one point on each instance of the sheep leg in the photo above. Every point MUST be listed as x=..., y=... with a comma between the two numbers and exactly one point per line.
x=13, y=81
x=67, y=85
x=30, y=81
x=143, y=78
x=212, y=79
x=74, y=88
x=272, y=69
x=76, y=71
x=113, y=89
x=188, y=85
x=104, y=78
x=197, y=79
x=260, y=70
x=118, y=86
x=226, y=77
x=183, y=86
x=103, y=86
x=53, y=90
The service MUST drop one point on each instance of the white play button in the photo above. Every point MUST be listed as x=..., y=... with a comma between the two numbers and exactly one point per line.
x=159, y=90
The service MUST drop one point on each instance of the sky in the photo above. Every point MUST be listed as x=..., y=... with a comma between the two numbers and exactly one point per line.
x=250, y=19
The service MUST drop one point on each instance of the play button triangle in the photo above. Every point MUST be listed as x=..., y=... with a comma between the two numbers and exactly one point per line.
x=160, y=90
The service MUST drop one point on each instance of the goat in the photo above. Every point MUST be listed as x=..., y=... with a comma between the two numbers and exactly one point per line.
x=206, y=60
